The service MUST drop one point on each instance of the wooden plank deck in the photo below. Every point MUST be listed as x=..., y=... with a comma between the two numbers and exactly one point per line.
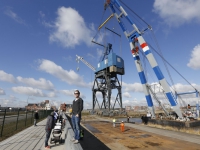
x=31, y=138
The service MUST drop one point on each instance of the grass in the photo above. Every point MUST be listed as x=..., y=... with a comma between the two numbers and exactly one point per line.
x=10, y=129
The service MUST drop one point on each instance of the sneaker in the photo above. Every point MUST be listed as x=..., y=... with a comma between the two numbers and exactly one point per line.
x=73, y=139
x=76, y=141
x=48, y=147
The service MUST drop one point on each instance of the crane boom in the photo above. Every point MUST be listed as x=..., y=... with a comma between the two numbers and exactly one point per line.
x=137, y=42
x=85, y=62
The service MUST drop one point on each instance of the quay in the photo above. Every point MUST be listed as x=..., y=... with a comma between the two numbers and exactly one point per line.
x=99, y=134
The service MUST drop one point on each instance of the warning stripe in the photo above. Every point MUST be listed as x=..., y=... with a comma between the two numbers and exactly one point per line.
x=143, y=45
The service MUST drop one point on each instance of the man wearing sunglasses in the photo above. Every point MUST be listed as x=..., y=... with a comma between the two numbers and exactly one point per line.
x=77, y=107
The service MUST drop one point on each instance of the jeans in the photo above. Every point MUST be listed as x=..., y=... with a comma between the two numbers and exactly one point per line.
x=35, y=121
x=76, y=126
x=48, y=133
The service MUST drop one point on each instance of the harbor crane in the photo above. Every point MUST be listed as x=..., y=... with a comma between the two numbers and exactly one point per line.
x=106, y=80
x=137, y=42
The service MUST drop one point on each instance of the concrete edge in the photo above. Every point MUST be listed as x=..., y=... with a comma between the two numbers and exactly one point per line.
x=69, y=135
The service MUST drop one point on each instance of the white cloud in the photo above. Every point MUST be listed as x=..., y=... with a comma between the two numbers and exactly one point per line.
x=52, y=94
x=6, y=77
x=177, y=12
x=41, y=14
x=69, y=77
x=41, y=83
x=68, y=92
x=71, y=93
x=134, y=102
x=99, y=94
x=99, y=53
x=2, y=92
x=127, y=95
x=87, y=105
x=186, y=88
x=28, y=91
x=70, y=28
x=11, y=101
x=14, y=16
x=68, y=58
x=195, y=58
x=91, y=56
x=135, y=87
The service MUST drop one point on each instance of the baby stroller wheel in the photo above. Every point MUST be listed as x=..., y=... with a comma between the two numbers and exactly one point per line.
x=60, y=140
x=51, y=140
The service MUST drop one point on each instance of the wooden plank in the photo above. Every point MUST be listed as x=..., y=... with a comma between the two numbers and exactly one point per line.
x=33, y=139
x=35, y=136
x=22, y=139
x=12, y=142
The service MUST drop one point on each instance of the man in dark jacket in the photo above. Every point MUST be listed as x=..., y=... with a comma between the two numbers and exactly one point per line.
x=48, y=128
x=77, y=107
x=36, y=117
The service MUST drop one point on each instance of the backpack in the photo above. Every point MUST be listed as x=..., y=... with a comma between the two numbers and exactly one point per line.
x=81, y=133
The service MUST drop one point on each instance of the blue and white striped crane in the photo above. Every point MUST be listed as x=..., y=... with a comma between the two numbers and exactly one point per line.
x=137, y=42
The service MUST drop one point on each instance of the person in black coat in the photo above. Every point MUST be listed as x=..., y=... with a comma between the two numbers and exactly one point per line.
x=48, y=128
x=36, y=117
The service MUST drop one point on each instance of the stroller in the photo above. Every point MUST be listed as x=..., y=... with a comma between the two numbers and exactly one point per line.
x=61, y=120
x=57, y=132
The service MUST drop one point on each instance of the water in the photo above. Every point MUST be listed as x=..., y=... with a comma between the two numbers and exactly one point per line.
x=136, y=120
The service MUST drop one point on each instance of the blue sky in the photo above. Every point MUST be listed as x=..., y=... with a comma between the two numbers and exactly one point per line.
x=39, y=41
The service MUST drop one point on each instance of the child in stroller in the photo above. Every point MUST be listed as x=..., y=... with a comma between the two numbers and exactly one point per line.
x=57, y=132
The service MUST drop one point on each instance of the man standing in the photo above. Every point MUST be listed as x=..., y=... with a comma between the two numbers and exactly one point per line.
x=77, y=107
x=36, y=117
x=114, y=122
x=49, y=127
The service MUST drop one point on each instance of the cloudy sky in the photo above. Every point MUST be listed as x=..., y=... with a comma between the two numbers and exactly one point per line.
x=40, y=39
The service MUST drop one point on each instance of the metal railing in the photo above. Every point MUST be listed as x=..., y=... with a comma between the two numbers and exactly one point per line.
x=13, y=121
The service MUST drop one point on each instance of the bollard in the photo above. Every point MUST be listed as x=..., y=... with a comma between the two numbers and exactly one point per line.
x=122, y=126
x=3, y=123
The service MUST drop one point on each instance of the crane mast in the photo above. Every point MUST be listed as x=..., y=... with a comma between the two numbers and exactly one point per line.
x=137, y=42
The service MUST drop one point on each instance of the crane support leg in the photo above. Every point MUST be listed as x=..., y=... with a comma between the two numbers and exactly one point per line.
x=159, y=75
x=144, y=83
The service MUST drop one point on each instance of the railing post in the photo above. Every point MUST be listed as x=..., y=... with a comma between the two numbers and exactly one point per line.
x=17, y=119
x=32, y=117
x=3, y=122
x=26, y=118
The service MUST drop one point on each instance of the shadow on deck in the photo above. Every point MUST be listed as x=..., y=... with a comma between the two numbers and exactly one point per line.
x=90, y=142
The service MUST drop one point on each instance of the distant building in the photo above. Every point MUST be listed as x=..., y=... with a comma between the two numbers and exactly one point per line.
x=65, y=107
x=40, y=106
x=32, y=107
x=53, y=107
x=127, y=108
x=47, y=105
